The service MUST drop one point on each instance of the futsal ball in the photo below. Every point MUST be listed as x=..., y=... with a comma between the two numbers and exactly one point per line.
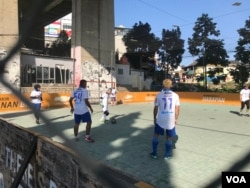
x=113, y=121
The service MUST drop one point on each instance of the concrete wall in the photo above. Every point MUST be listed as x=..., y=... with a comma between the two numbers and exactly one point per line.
x=92, y=35
x=48, y=66
x=52, y=165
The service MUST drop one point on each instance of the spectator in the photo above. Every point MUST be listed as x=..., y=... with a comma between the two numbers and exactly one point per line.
x=36, y=99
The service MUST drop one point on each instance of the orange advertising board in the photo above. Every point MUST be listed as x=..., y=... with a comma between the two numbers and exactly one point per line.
x=9, y=102
x=195, y=97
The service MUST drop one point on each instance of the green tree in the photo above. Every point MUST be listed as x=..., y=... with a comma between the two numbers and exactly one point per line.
x=61, y=47
x=241, y=73
x=172, y=49
x=205, y=45
x=141, y=44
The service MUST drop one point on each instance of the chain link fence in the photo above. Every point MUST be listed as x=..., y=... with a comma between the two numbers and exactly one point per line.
x=88, y=163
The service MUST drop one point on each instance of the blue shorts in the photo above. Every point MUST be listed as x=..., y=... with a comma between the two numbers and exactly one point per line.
x=82, y=117
x=37, y=106
x=160, y=131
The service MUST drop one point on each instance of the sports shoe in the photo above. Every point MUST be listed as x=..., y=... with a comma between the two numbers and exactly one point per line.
x=103, y=120
x=167, y=158
x=89, y=139
x=153, y=156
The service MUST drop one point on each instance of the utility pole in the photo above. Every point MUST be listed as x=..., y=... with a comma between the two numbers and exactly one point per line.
x=204, y=69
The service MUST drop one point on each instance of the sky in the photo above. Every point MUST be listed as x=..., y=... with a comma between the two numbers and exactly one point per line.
x=166, y=14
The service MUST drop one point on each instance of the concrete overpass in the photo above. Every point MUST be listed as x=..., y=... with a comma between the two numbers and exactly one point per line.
x=92, y=28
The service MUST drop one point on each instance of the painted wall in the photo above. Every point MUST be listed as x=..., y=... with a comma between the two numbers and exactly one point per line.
x=11, y=73
x=15, y=144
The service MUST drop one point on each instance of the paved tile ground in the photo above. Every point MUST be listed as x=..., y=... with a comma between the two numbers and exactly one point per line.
x=211, y=139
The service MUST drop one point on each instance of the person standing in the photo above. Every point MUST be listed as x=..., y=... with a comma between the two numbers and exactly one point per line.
x=113, y=96
x=105, y=102
x=166, y=112
x=36, y=99
x=81, y=110
x=244, y=99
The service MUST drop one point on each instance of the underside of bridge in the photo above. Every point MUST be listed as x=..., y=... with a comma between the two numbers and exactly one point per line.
x=50, y=10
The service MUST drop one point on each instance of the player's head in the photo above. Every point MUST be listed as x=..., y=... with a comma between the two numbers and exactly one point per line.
x=167, y=83
x=109, y=90
x=83, y=83
x=246, y=86
x=37, y=87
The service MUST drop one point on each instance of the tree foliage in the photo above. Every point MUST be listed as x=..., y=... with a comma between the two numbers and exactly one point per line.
x=140, y=41
x=171, y=49
x=204, y=43
x=60, y=47
x=241, y=73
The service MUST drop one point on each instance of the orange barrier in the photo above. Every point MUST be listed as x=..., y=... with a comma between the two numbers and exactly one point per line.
x=9, y=102
x=195, y=97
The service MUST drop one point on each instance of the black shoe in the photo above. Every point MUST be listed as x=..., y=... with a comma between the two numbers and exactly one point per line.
x=153, y=156
x=37, y=121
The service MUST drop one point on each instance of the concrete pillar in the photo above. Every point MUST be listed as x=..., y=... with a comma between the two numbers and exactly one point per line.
x=9, y=24
x=9, y=35
x=93, y=40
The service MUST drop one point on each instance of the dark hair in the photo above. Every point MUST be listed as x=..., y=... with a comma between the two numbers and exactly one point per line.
x=37, y=86
x=82, y=83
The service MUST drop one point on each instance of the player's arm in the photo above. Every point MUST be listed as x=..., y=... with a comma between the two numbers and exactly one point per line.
x=32, y=96
x=155, y=111
x=71, y=104
x=177, y=112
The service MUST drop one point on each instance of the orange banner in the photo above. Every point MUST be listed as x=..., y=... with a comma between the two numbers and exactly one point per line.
x=195, y=97
x=9, y=102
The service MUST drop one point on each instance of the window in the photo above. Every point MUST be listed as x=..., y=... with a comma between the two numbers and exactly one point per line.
x=120, y=71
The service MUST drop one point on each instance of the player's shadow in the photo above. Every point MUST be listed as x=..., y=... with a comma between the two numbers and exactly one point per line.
x=59, y=117
x=235, y=112
x=15, y=114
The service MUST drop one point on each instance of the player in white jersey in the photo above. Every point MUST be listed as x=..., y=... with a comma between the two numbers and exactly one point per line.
x=105, y=102
x=166, y=113
x=81, y=109
x=113, y=96
x=244, y=98
x=36, y=99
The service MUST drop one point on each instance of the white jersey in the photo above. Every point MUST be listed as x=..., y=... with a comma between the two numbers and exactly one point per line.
x=113, y=93
x=166, y=101
x=105, y=98
x=79, y=96
x=245, y=94
x=36, y=93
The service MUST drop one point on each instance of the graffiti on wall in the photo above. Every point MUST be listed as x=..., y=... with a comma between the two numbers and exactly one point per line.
x=13, y=162
x=99, y=76
x=11, y=72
